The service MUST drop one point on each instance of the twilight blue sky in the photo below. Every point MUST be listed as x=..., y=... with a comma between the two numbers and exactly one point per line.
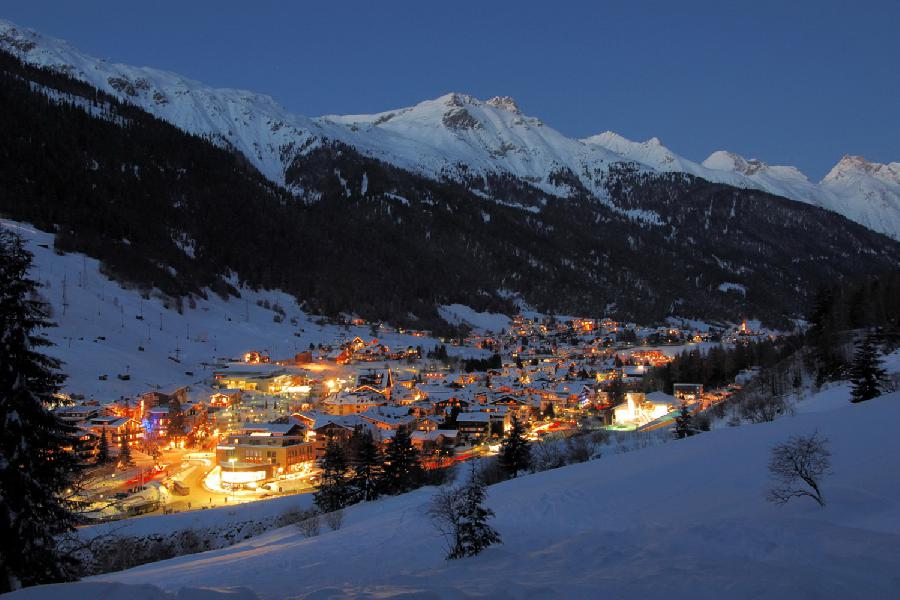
x=798, y=83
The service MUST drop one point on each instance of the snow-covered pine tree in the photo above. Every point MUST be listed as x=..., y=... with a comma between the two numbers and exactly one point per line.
x=334, y=488
x=515, y=453
x=867, y=376
x=475, y=534
x=35, y=467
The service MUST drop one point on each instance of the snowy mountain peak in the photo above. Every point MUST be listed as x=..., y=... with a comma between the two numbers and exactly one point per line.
x=457, y=100
x=455, y=135
x=619, y=143
x=506, y=103
x=650, y=153
x=12, y=37
x=722, y=160
x=855, y=166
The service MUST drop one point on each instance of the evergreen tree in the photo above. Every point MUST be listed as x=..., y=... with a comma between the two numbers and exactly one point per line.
x=200, y=433
x=402, y=470
x=474, y=532
x=450, y=419
x=684, y=423
x=515, y=453
x=365, y=466
x=550, y=411
x=103, y=448
x=824, y=337
x=35, y=468
x=334, y=489
x=125, y=447
x=867, y=374
x=615, y=391
x=175, y=426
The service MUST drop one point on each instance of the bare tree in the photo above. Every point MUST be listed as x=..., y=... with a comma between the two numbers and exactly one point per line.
x=546, y=455
x=309, y=524
x=578, y=449
x=447, y=517
x=335, y=519
x=797, y=468
x=761, y=407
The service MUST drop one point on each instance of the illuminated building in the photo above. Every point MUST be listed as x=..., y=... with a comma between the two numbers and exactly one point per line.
x=259, y=451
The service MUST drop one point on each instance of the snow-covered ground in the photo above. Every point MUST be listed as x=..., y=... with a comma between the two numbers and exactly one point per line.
x=221, y=518
x=153, y=343
x=683, y=519
x=483, y=322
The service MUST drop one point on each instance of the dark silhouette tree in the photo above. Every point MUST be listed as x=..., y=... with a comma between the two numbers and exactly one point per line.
x=35, y=467
x=797, y=468
x=402, y=470
x=103, y=447
x=867, y=376
x=549, y=411
x=515, y=453
x=365, y=465
x=684, y=423
x=334, y=489
x=125, y=459
x=175, y=425
x=615, y=391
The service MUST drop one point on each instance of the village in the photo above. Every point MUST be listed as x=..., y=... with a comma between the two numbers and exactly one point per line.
x=260, y=425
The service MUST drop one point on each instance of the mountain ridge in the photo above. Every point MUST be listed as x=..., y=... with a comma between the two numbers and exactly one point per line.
x=166, y=210
x=455, y=136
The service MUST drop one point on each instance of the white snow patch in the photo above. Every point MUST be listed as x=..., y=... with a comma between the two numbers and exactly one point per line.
x=735, y=287
x=456, y=314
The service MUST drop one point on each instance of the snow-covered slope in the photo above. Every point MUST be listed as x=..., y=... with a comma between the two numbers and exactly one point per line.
x=436, y=137
x=866, y=192
x=684, y=519
x=455, y=136
x=105, y=329
x=252, y=123
x=862, y=191
x=783, y=181
x=654, y=155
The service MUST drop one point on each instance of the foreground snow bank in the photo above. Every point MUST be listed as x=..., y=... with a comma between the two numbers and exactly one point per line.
x=121, y=591
x=688, y=518
x=220, y=518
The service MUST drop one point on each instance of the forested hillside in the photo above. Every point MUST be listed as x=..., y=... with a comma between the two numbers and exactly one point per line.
x=165, y=209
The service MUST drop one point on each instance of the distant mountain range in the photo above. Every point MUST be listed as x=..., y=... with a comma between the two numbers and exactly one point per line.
x=455, y=137
x=182, y=191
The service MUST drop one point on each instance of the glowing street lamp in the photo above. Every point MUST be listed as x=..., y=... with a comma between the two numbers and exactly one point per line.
x=231, y=461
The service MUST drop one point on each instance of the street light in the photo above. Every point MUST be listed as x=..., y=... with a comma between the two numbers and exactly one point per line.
x=231, y=461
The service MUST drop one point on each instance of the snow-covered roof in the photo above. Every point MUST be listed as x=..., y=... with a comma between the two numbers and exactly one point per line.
x=473, y=417
x=659, y=398
x=272, y=428
x=433, y=435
